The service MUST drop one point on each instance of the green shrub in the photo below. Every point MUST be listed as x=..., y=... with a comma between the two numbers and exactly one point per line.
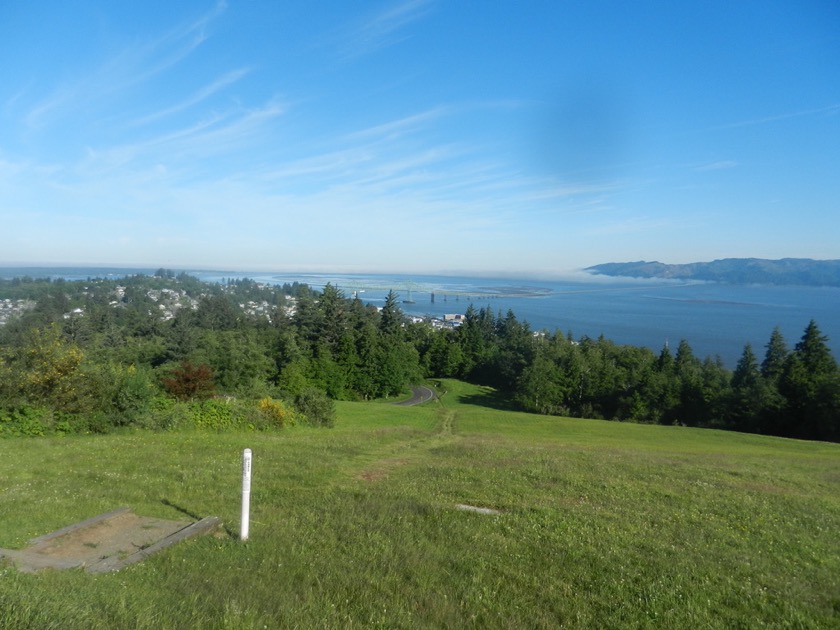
x=276, y=413
x=317, y=409
x=215, y=414
x=25, y=421
x=162, y=403
x=165, y=414
x=133, y=393
x=29, y=421
x=96, y=423
x=70, y=423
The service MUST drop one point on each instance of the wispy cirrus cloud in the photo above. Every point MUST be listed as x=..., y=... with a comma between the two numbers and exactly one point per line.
x=716, y=166
x=829, y=109
x=220, y=133
x=383, y=29
x=401, y=126
x=401, y=156
x=204, y=93
x=135, y=64
x=160, y=54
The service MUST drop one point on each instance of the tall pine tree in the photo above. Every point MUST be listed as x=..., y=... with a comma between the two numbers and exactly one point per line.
x=810, y=383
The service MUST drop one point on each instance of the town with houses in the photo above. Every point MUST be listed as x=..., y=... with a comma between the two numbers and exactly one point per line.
x=11, y=308
x=170, y=301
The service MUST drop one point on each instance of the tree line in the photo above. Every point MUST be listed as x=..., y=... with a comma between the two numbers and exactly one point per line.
x=99, y=353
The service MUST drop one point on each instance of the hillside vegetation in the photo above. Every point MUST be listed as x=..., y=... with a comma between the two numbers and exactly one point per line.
x=794, y=271
x=599, y=524
x=161, y=351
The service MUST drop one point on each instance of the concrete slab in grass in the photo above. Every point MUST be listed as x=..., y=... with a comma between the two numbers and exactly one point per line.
x=107, y=542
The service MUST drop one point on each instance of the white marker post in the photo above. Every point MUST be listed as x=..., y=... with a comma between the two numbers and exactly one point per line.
x=246, y=494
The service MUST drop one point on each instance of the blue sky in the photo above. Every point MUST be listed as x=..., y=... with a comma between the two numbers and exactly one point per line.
x=417, y=135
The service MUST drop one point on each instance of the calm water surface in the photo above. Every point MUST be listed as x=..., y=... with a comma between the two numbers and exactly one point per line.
x=715, y=319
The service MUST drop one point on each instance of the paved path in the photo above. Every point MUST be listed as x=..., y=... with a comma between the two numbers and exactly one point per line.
x=419, y=394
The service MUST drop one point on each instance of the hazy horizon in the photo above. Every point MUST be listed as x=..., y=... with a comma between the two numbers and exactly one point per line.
x=497, y=274
x=574, y=274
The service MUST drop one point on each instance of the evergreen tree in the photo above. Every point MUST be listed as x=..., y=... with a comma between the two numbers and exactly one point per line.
x=716, y=392
x=541, y=386
x=480, y=345
x=445, y=357
x=325, y=374
x=814, y=352
x=810, y=384
x=217, y=312
x=308, y=320
x=182, y=336
x=773, y=417
x=365, y=381
x=333, y=320
x=239, y=359
x=748, y=396
x=775, y=357
x=516, y=350
x=391, y=317
x=470, y=340
x=663, y=389
x=665, y=361
x=633, y=388
x=347, y=358
x=691, y=409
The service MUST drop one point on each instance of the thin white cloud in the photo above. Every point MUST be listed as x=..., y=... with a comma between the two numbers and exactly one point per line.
x=372, y=154
x=204, y=93
x=327, y=165
x=395, y=128
x=11, y=102
x=173, y=47
x=830, y=109
x=716, y=166
x=219, y=133
x=134, y=65
x=383, y=29
x=440, y=181
x=38, y=116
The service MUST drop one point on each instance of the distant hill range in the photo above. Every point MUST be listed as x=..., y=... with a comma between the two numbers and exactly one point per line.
x=797, y=271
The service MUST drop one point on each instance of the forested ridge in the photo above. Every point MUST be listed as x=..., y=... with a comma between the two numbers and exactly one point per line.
x=167, y=350
x=791, y=271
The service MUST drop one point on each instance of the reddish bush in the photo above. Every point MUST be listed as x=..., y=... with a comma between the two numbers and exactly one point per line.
x=188, y=381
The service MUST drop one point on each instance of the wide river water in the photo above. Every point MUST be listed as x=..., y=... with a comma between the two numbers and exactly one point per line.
x=715, y=319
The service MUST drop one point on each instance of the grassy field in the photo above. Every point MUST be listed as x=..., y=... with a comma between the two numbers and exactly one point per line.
x=600, y=525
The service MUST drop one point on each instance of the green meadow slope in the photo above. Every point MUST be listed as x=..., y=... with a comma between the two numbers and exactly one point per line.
x=599, y=524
